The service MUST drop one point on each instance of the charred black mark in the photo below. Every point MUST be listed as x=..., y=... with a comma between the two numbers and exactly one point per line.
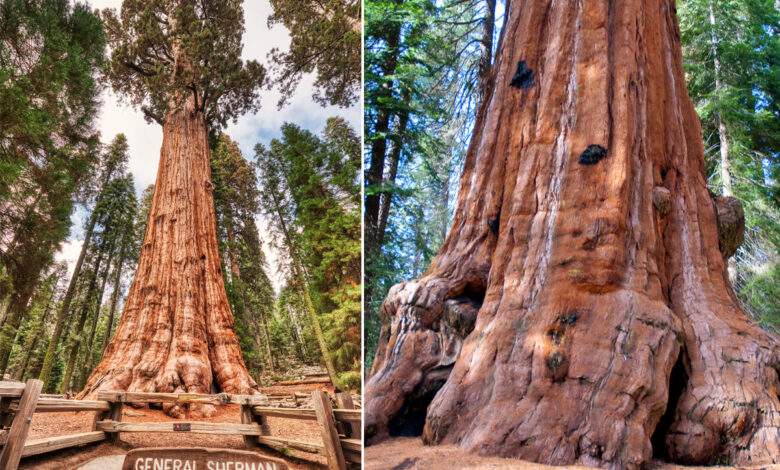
x=556, y=335
x=523, y=78
x=494, y=224
x=592, y=155
x=568, y=318
x=556, y=362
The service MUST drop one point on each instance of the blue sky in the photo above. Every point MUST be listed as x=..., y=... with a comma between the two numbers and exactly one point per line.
x=145, y=139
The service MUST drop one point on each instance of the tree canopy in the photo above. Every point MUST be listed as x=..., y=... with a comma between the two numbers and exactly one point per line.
x=169, y=51
x=325, y=38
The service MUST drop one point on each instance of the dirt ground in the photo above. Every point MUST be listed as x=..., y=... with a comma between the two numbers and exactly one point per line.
x=57, y=424
x=409, y=453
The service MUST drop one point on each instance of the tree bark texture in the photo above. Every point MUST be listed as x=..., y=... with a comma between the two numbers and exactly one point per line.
x=580, y=309
x=176, y=331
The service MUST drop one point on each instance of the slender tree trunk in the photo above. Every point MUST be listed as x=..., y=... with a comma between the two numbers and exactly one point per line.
x=723, y=135
x=395, y=158
x=51, y=350
x=303, y=286
x=297, y=333
x=580, y=310
x=117, y=289
x=16, y=310
x=78, y=331
x=375, y=172
x=89, y=355
x=34, y=335
x=176, y=333
x=486, y=45
x=267, y=340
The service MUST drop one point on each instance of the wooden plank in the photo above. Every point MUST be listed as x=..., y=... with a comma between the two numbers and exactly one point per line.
x=12, y=451
x=292, y=413
x=48, y=444
x=49, y=405
x=281, y=444
x=181, y=426
x=353, y=445
x=219, y=399
x=330, y=437
x=352, y=416
x=304, y=381
x=351, y=428
x=11, y=389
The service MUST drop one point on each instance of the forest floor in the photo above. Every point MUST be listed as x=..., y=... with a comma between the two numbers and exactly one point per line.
x=57, y=424
x=409, y=453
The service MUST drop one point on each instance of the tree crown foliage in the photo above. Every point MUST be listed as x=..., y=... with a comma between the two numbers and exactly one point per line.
x=325, y=37
x=167, y=52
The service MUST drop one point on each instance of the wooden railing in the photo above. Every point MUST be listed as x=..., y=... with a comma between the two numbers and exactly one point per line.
x=339, y=428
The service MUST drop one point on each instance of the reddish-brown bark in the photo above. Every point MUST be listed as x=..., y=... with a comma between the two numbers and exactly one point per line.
x=569, y=317
x=176, y=331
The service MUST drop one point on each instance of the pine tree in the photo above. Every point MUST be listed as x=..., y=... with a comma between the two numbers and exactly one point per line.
x=51, y=52
x=304, y=180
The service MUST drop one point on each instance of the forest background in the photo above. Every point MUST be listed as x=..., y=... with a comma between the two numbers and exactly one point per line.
x=426, y=63
x=77, y=167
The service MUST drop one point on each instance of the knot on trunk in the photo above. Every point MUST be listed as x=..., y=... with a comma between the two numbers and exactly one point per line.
x=731, y=224
x=662, y=200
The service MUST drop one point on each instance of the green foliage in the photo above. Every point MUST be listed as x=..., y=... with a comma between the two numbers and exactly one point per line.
x=325, y=37
x=166, y=52
x=50, y=52
x=249, y=289
x=422, y=70
x=309, y=189
x=742, y=92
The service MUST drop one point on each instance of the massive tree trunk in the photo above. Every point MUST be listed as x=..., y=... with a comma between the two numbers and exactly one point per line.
x=580, y=309
x=176, y=332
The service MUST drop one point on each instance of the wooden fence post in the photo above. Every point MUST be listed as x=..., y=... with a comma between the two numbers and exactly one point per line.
x=12, y=451
x=344, y=402
x=248, y=417
x=330, y=436
x=114, y=413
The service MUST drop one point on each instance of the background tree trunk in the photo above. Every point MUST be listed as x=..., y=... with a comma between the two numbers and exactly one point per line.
x=549, y=324
x=176, y=332
x=303, y=287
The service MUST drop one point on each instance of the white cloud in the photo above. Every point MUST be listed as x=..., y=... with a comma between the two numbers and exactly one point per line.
x=145, y=139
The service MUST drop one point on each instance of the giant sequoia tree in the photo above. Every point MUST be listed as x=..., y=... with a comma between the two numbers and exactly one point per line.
x=180, y=62
x=580, y=309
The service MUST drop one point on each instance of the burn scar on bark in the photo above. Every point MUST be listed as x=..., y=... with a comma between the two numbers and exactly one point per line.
x=592, y=155
x=494, y=224
x=523, y=77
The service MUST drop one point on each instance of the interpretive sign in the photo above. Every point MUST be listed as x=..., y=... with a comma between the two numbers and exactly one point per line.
x=172, y=458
